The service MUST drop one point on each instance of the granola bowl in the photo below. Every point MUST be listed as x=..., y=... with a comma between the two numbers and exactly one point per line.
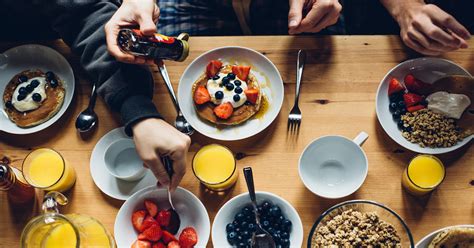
x=360, y=223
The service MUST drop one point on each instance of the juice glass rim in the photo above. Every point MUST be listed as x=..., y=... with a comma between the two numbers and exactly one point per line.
x=430, y=156
x=27, y=178
x=231, y=174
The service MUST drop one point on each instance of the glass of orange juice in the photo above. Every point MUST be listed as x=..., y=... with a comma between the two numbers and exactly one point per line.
x=215, y=167
x=46, y=169
x=424, y=174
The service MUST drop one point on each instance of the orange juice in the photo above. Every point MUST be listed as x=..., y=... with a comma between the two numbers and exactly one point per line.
x=423, y=174
x=214, y=165
x=46, y=169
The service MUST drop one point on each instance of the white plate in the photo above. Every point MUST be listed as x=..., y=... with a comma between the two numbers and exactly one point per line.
x=424, y=242
x=233, y=206
x=111, y=186
x=20, y=58
x=428, y=70
x=266, y=73
x=190, y=209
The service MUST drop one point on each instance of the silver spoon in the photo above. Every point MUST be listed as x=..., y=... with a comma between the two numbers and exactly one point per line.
x=87, y=119
x=260, y=238
x=175, y=220
x=181, y=124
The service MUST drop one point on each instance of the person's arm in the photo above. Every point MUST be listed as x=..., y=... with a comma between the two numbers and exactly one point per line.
x=426, y=28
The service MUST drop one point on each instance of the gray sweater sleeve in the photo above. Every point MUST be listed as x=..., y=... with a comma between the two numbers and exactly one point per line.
x=126, y=88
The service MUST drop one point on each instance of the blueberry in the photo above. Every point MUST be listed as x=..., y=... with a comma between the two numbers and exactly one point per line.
x=236, y=98
x=401, y=104
x=216, y=77
x=29, y=88
x=239, y=217
x=241, y=245
x=34, y=83
x=22, y=78
x=246, y=234
x=285, y=242
x=280, y=219
x=396, y=115
x=266, y=205
x=424, y=102
x=230, y=227
x=36, y=97
x=236, y=223
x=237, y=83
x=49, y=75
x=247, y=211
x=266, y=224
x=286, y=225
x=53, y=82
x=238, y=90
x=400, y=124
x=407, y=129
x=20, y=97
x=219, y=95
x=225, y=80
x=284, y=235
x=238, y=229
x=232, y=237
x=392, y=107
x=229, y=86
x=276, y=237
x=402, y=111
x=270, y=230
x=9, y=104
x=396, y=97
x=276, y=225
x=244, y=225
x=23, y=91
x=231, y=76
x=275, y=211
x=260, y=209
x=251, y=227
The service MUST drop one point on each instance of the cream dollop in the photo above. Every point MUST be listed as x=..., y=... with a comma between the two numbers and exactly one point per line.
x=28, y=103
x=213, y=86
x=449, y=105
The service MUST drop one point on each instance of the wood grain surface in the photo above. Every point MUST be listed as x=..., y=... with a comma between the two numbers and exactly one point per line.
x=340, y=80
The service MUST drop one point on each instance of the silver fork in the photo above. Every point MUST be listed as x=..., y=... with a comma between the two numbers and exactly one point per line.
x=294, y=119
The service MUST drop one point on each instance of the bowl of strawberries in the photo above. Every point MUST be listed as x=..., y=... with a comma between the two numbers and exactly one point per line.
x=147, y=220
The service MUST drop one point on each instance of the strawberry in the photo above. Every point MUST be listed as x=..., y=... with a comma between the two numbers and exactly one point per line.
x=252, y=95
x=224, y=111
x=168, y=237
x=163, y=218
x=415, y=108
x=151, y=207
x=148, y=222
x=415, y=85
x=188, y=238
x=153, y=233
x=213, y=68
x=241, y=71
x=174, y=244
x=412, y=99
x=159, y=245
x=141, y=244
x=201, y=95
x=394, y=86
x=137, y=219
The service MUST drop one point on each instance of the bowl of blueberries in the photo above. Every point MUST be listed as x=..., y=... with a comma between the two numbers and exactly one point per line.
x=234, y=224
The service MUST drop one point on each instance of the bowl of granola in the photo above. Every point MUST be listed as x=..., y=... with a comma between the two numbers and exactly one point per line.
x=360, y=223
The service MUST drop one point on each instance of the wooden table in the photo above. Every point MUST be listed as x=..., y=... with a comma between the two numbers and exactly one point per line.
x=338, y=97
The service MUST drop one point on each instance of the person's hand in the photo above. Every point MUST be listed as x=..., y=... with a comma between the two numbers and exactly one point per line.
x=142, y=13
x=154, y=138
x=311, y=16
x=429, y=30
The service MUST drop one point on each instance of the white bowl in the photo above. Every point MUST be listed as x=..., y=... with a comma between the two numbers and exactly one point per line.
x=122, y=161
x=233, y=206
x=28, y=57
x=425, y=241
x=190, y=209
x=429, y=70
x=334, y=166
x=266, y=73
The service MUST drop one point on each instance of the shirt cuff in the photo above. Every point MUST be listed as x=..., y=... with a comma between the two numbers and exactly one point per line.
x=136, y=108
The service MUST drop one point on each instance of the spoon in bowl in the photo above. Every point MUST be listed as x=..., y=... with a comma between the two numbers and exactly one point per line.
x=175, y=220
x=260, y=238
x=87, y=119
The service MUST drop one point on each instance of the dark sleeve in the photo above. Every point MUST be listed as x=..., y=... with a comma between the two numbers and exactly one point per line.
x=126, y=88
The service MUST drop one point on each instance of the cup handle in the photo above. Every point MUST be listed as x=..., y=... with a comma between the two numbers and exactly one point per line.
x=361, y=138
x=3, y=59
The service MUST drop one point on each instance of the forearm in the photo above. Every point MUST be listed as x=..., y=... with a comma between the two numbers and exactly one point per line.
x=397, y=7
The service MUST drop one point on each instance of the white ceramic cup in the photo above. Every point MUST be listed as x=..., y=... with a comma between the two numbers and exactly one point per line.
x=122, y=161
x=334, y=166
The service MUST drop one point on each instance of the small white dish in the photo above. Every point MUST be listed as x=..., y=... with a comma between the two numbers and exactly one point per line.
x=190, y=209
x=429, y=70
x=233, y=206
x=30, y=57
x=122, y=160
x=106, y=182
x=425, y=241
x=264, y=70
x=334, y=166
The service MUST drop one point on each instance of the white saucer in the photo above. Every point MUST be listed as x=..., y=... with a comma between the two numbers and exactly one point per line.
x=111, y=186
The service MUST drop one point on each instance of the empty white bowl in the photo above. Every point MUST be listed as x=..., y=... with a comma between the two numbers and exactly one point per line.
x=233, y=206
x=122, y=161
x=334, y=166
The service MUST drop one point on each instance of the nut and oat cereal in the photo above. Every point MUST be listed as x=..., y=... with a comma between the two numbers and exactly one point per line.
x=355, y=229
x=430, y=129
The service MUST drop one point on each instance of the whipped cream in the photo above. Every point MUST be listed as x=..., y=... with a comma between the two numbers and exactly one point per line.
x=449, y=105
x=213, y=87
x=28, y=103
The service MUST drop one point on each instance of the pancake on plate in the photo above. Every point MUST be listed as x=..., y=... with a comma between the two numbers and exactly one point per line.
x=227, y=94
x=33, y=97
x=457, y=237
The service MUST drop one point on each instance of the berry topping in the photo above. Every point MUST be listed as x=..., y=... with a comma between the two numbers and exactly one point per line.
x=53, y=82
x=201, y=95
x=229, y=86
x=219, y=95
x=9, y=104
x=34, y=83
x=236, y=98
x=29, y=88
x=224, y=111
x=238, y=90
x=36, y=97
x=231, y=76
x=237, y=83
x=225, y=80
x=20, y=97
x=216, y=77
x=241, y=71
x=49, y=75
x=252, y=95
x=394, y=86
x=213, y=68
x=22, y=78
x=412, y=99
x=23, y=91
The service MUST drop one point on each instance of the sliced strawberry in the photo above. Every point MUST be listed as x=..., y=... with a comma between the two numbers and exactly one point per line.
x=151, y=207
x=188, y=238
x=141, y=244
x=394, y=86
x=137, y=219
x=201, y=95
x=213, y=68
x=174, y=244
x=241, y=71
x=224, y=111
x=148, y=222
x=168, y=237
x=153, y=233
x=412, y=99
x=163, y=218
x=415, y=85
x=415, y=108
x=159, y=245
x=409, y=79
x=252, y=95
